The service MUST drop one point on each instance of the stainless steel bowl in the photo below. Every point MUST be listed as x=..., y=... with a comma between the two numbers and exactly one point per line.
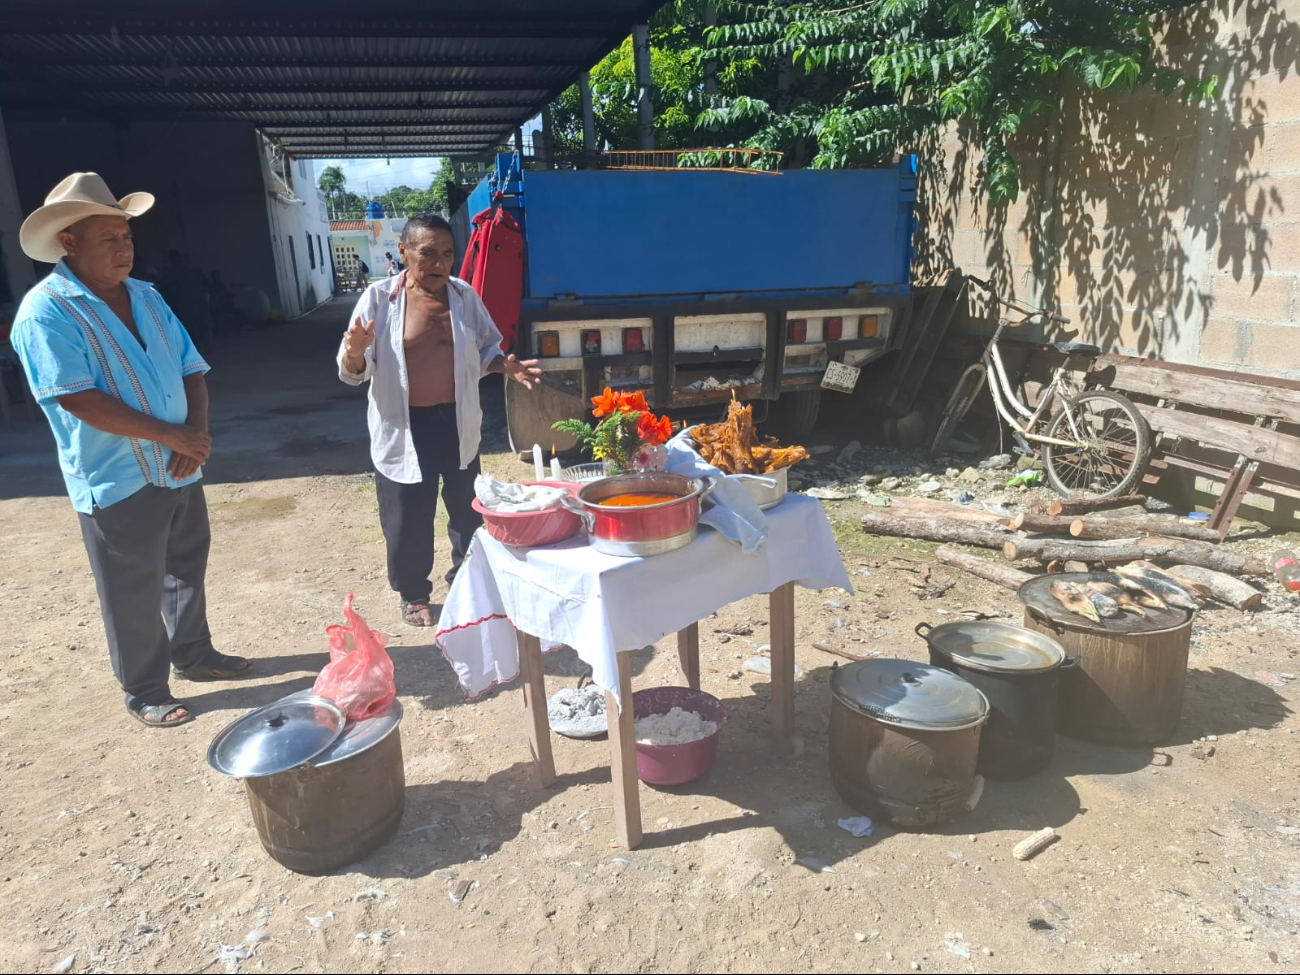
x=767, y=490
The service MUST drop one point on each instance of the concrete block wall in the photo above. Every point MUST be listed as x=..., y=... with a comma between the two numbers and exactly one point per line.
x=1161, y=229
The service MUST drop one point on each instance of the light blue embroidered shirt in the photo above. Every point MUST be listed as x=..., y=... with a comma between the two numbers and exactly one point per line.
x=70, y=341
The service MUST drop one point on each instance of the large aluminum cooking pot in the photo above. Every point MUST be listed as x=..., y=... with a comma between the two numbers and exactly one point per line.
x=651, y=529
x=905, y=740
x=323, y=792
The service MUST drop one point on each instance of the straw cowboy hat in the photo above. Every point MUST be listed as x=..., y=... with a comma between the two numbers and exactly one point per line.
x=79, y=196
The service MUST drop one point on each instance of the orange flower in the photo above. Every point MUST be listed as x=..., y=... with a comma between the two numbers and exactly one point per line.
x=606, y=402
x=633, y=403
x=652, y=429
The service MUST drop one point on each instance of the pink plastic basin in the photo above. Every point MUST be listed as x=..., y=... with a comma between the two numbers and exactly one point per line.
x=529, y=529
x=677, y=764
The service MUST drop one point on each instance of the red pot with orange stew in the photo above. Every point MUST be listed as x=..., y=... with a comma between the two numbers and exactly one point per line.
x=642, y=514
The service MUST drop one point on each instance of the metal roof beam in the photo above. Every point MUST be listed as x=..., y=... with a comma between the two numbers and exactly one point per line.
x=57, y=105
x=492, y=124
x=476, y=135
x=342, y=152
x=321, y=135
x=433, y=149
x=182, y=61
x=401, y=87
x=107, y=22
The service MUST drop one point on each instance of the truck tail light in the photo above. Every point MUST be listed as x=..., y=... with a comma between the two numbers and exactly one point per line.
x=591, y=342
x=548, y=344
x=870, y=326
x=633, y=340
x=833, y=329
x=798, y=331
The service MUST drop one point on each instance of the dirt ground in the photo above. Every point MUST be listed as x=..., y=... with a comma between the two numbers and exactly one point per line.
x=121, y=851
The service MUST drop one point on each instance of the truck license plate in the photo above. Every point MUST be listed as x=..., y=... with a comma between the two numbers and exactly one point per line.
x=840, y=377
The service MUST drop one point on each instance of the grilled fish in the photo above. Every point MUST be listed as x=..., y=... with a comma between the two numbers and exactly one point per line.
x=1106, y=606
x=1075, y=599
x=1140, y=595
x=1157, y=581
x=1199, y=590
x=1123, y=599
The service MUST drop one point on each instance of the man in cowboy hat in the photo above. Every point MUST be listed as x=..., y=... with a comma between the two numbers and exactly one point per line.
x=123, y=388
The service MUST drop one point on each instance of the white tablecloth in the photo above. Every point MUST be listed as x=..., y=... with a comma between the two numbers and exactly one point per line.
x=570, y=594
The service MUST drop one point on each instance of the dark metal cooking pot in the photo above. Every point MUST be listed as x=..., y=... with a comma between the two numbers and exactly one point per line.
x=651, y=529
x=1019, y=671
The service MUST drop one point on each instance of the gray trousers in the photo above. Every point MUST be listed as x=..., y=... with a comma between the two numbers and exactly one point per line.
x=149, y=554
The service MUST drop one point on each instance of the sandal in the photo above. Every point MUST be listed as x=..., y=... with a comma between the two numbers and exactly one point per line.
x=216, y=666
x=156, y=715
x=418, y=613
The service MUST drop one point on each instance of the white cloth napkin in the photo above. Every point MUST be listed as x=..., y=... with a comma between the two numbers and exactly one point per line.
x=734, y=512
x=511, y=498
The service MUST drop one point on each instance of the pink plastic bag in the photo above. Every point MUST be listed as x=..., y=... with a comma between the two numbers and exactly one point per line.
x=359, y=676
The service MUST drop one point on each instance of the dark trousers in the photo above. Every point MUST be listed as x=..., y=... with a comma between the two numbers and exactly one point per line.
x=406, y=510
x=149, y=555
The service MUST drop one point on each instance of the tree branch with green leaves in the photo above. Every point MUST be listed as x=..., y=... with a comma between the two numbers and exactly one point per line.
x=850, y=84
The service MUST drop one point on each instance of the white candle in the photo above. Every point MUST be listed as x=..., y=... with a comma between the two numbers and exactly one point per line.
x=556, y=470
x=538, y=469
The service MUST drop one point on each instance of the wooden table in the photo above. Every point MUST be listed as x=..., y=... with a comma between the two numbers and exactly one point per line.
x=622, y=724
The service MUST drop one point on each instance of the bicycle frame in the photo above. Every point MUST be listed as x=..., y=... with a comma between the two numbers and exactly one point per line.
x=1005, y=399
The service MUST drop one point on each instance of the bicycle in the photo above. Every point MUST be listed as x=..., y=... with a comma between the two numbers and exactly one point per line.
x=1096, y=445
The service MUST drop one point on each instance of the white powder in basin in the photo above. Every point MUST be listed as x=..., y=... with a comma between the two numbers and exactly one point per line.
x=677, y=727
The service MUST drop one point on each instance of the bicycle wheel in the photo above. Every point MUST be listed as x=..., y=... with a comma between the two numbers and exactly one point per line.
x=959, y=404
x=1110, y=453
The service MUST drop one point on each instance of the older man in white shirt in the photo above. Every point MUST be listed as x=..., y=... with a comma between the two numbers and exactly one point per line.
x=424, y=339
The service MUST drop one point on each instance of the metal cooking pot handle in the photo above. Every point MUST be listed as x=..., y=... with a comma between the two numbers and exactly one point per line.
x=1071, y=663
x=710, y=481
x=927, y=628
x=570, y=503
x=1042, y=617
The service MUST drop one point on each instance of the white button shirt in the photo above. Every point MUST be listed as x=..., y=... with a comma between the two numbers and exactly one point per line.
x=476, y=343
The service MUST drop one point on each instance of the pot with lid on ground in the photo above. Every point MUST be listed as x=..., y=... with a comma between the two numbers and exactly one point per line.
x=1019, y=671
x=324, y=792
x=1128, y=686
x=905, y=740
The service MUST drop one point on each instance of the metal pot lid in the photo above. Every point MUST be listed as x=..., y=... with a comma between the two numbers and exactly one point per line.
x=281, y=736
x=910, y=694
x=1000, y=648
x=357, y=736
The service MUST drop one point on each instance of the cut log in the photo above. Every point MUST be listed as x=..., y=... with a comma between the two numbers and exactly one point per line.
x=1099, y=504
x=1223, y=588
x=1123, y=525
x=1003, y=575
x=934, y=528
x=1152, y=547
x=943, y=509
x=1039, y=523
x=1073, y=566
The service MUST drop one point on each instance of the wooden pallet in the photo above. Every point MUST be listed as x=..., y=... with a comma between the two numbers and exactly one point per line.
x=926, y=329
x=1243, y=414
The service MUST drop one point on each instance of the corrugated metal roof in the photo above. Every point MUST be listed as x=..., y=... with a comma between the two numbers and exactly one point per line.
x=321, y=77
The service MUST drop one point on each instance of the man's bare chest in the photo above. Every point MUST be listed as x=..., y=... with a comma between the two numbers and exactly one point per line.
x=427, y=326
